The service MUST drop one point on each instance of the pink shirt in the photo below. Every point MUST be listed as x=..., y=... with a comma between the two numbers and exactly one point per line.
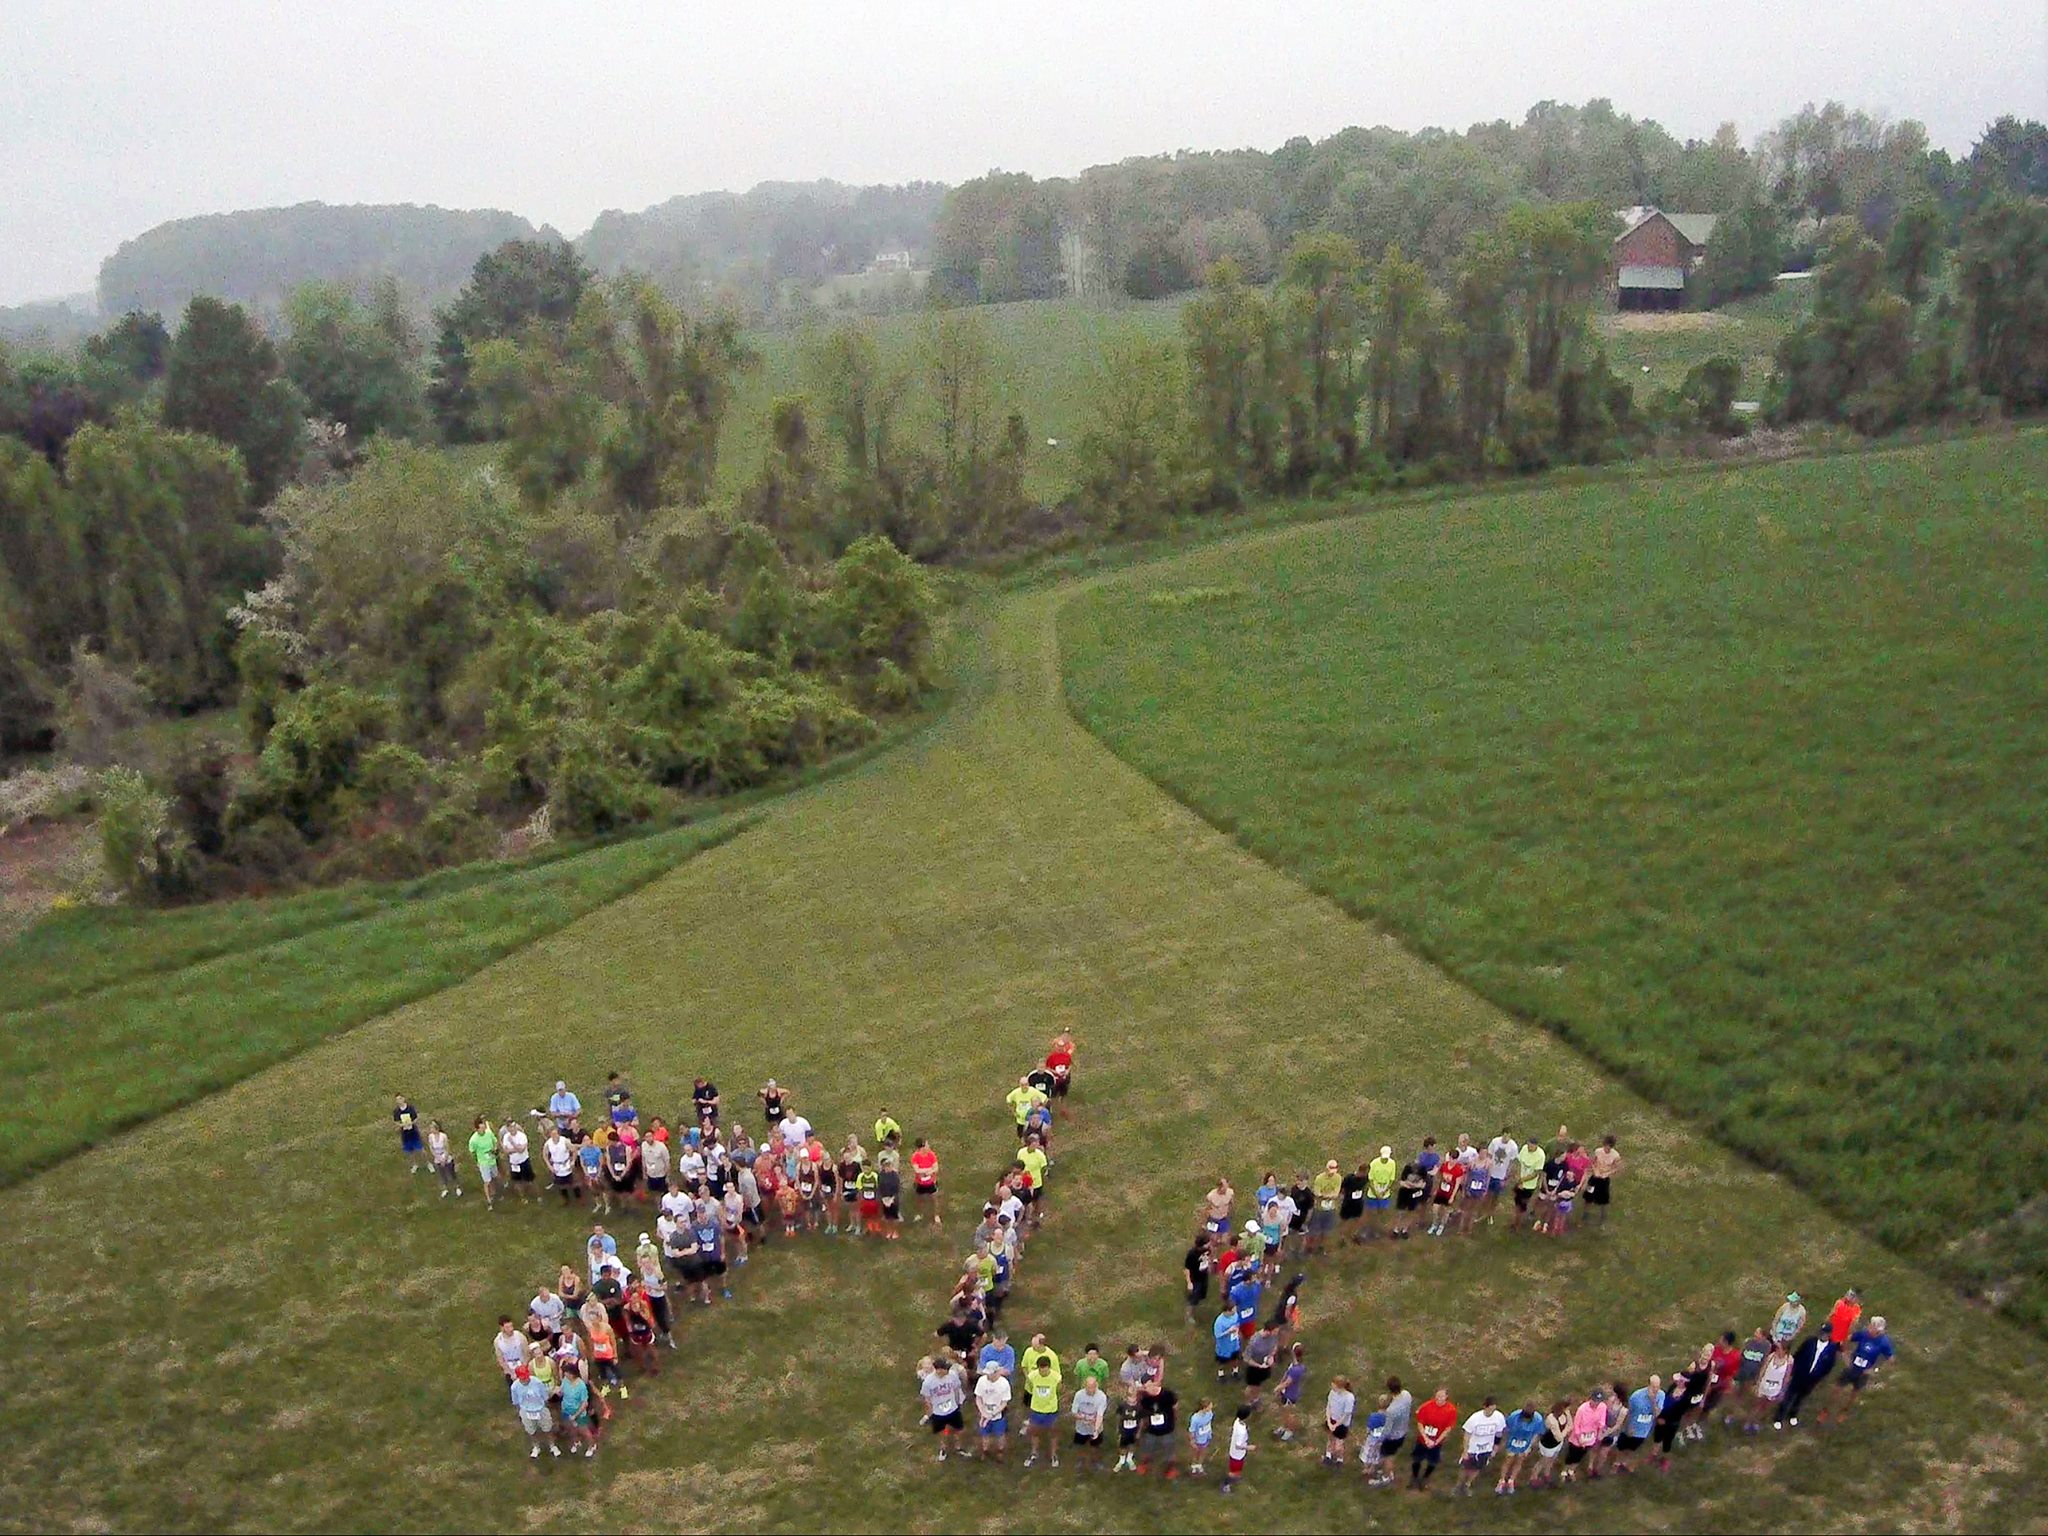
x=1589, y=1423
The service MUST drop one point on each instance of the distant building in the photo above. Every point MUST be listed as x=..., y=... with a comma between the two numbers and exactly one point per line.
x=890, y=261
x=1656, y=254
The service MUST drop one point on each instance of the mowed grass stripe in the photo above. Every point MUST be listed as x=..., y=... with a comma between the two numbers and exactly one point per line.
x=296, y=1336
x=90, y=1066
x=1735, y=781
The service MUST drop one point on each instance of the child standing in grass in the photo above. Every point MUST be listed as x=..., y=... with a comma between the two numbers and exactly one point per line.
x=1337, y=1416
x=1240, y=1447
x=1291, y=1383
x=1372, y=1453
x=407, y=1119
x=443, y=1156
x=1128, y=1418
x=1201, y=1430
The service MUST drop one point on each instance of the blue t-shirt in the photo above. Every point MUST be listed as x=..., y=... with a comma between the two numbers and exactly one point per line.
x=1245, y=1297
x=709, y=1239
x=591, y=1156
x=1643, y=1408
x=1001, y=1354
x=1226, y=1336
x=1264, y=1193
x=1201, y=1426
x=1426, y=1162
x=530, y=1396
x=1523, y=1428
x=1376, y=1425
x=1868, y=1350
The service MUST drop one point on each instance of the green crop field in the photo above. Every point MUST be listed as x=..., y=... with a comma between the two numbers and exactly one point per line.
x=1735, y=781
x=245, y=1314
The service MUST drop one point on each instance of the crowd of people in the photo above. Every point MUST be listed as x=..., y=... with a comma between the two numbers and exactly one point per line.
x=716, y=1194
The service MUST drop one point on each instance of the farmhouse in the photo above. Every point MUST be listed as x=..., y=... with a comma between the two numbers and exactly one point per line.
x=1655, y=256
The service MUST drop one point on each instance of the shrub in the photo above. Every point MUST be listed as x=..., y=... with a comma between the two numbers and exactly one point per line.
x=102, y=703
x=314, y=754
x=145, y=854
x=882, y=602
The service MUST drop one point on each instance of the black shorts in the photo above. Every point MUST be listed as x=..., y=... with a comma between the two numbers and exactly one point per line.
x=522, y=1173
x=1127, y=1434
x=891, y=1209
x=1425, y=1455
x=1340, y=1432
x=657, y=1183
x=1522, y=1198
x=1630, y=1442
x=1081, y=1439
x=624, y=1183
x=1855, y=1380
x=941, y=1422
x=1439, y=1198
x=1404, y=1200
x=1598, y=1191
x=1257, y=1375
x=1389, y=1449
x=926, y=1190
x=1575, y=1453
x=691, y=1269
x=711, y=1269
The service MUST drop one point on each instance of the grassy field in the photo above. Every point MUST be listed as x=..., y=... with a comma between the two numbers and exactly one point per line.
x=1655, y=351
x=116, y=1017
x=1735, y=781
x=294, y=1333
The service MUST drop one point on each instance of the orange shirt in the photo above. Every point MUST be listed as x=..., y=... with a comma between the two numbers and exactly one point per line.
x=1842, y=1321
x=922, y=1162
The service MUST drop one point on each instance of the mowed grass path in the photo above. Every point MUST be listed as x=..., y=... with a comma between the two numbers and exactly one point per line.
x=247, y=1315
x=1737, y=780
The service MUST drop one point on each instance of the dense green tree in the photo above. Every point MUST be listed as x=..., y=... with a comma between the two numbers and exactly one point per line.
x=1913, y=251
x=355, y=365
x=1319, y=299
x=1228, y=331
x=1744, y=254
x=2002, y=273
x=137, y=347
x=1132, y=457
x=1849, y=359
x=521, y=285
x=224, y=379
x=1398, y=302
x=1560, y=256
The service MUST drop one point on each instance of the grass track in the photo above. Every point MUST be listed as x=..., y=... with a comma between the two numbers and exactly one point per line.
x=246, y=1315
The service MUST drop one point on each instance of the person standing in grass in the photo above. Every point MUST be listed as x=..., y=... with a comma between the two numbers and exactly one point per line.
x=443, y=1156
x=575, y=1413
x=655, y=1161
x=559, y=1153
x=508, y=1347
x=1091, y=1408
x=1157, y=1436
x=1557, y=1428
x=1528, y=1177
x=1483, y=1431
x=1240, y=1447
x=1372, y=1450
x=924, y=1181
x=1589, y=1427
x=1338, y=1412
x=1789, y=1320
x=483, y=1146
x=604, y=1350
x=1519, y=1436
x=590, y=1168
x=1216, y=1207
x=1381, y=1175
x=1351, y=1202
x=513, y=1142
x=944, y=1390
x=992, y=1410
x=564, y=1107
x=1022, y=1099
x=1409, y=1192
x=1756, y=1349
x=1867, y=1349
x=1843, y=1317
x=1036, y=1164
x=1450, y=1178
x=530, y=1398
x=708, y=1226
x=1434, y=1421
x=1400, y=1413
x=1502, y=1154
x=1059, y=1061
x=1261, y=1354
x=1671, y=1416
x=1773, y=1377
x=1644, y=1406
x=1129, y=1416
x=1600, y=1176
x=1292, y=1380
x=407, y=1119
x=1042, y=1377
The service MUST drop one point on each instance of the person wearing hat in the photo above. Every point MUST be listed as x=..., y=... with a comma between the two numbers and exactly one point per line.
x=992, y=1409
x=1790, y=1319
x=774, y=1103
x=1868, y=1348
x=530, y=1397
x=1328, y=1189
x=1380, y=1176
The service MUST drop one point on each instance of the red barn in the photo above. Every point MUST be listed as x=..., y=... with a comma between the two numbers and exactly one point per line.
x=1655, y=256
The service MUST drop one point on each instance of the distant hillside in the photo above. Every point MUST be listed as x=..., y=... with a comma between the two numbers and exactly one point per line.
x=258, y=255
x=781, y=230
x=53, y=324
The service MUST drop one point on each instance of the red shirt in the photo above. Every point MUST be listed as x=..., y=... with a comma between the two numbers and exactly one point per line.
x=1842, y=1321
x=1449, y=1178
x=1230, y=1256
x=1434, y=1420
x=1727, y=1361
x=922, y=1162
x=1059, y=1061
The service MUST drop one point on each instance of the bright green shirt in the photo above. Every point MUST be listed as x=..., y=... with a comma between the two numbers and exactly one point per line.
x=1380, y=1178
x=1091, y=1372
x=1531, y=1160
x=885, y=1128
x=1045, y=1389
x=1028, y=1362
x=1022, y=1100
x=869, y=1184
x=1034, y=1161
x=1327, y=1186
x=483, y=1146
x=1253, y=1243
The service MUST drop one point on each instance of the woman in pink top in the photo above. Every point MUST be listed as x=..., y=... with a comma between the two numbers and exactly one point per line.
x=1589, y=1423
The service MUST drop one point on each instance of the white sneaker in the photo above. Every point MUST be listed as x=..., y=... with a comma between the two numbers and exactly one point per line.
x=555, y=1450
x=534, y=1455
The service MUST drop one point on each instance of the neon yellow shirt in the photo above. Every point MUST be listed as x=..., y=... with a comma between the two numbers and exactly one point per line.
x=1022, y=1100
x=1034, y=1161
x=1045, y=1390
x=1379, y=1178
x=1327, y=1186
x=885, y=1128
x=1029, y=1362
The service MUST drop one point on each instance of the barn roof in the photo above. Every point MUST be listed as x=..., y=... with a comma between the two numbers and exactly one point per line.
x=1696, y=228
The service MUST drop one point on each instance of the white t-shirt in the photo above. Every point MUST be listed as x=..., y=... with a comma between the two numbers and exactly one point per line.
x=678, y=1203
x=560, y=1155
x=1504, y=1151
x=1287, y=1208
x=1013, y=1208
x=690, y=1165
x=1342, y=1405
x=654, y=1158
x=548, y=1309
x=1091, y=1403
x=1240, y=1439
x=991, y=1396
x=511, y=1348
x=942, y=1392
x=1483, y=1431
x=516, y=1146
x=796, y=1130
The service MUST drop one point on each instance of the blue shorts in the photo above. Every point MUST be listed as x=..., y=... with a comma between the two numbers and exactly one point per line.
x=1044, y=1420
x=996, y=1427
x=1496, y=1184
x=1377, y=1205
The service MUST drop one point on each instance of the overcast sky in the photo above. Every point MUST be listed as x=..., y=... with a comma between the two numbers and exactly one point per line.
x=115, y=116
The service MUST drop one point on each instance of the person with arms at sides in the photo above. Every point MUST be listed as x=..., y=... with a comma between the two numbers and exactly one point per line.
x=530, y=1398
x=992, y=1410
x=1773, y=1378
x=1091, y=1408
x=1410, y=1190
x=774, y=1104
x=508, y=1347
x=1326, y=1191
x=924, y=1182
x=1589, y=1427
x=1434, y=1421
x=1351, y=1202
x=1261, y=1355
x=1292, y=1380
x=1483, y=1431
x=1519, y=1435
x=1239, y=1448
x=1789, y=1320
x=1843, y=1317
x=1400, y=1413
x=1201, y=1432
x=1338, y=1412
x=517, y=1151
x=483, y=1146
x=443, y=1156
x=1443, y=1199
x=1031, y=1157
x=1557, y=1428
x=655, y=1161
x=1229, y=1344
x=706, y=1101
x=1868, y=1349
x=943, y=1389
x=1060, y=1062
x=1600, y=1176
x=407, y=1119
x=1042, y=1377
x=565, y=1108
x=616, y=1093
x=590, y=1169
x=1022, y=1099
x=1130, y=1415
x=1501, y=1161
x=1157, y=1435
x=1382, y=1174
x=1216, y=1207
x=1528, y=1177
x=998, y=1353
x=1756, y=1349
